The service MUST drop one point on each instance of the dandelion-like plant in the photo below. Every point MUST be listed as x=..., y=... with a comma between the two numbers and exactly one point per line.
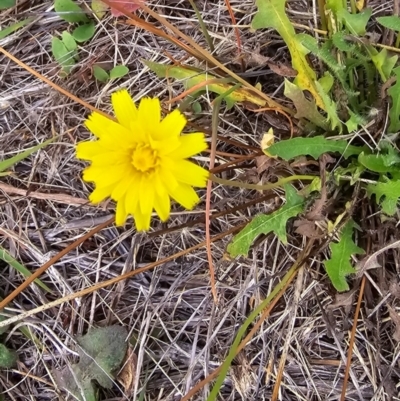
x=140, y=160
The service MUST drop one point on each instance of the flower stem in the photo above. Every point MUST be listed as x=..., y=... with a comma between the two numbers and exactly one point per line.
x=264, y=187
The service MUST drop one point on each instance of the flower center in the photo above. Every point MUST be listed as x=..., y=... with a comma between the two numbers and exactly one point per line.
x=144, y=158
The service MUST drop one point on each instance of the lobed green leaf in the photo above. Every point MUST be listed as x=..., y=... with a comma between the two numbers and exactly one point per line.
x=380, y=163
x=314, y=147
x=338, y=267
x=265, y=224
x=304, y=108
x=355, y=23
x=387, y=194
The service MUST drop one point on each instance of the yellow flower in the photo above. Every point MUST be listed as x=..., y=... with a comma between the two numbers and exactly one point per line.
x=140, y=160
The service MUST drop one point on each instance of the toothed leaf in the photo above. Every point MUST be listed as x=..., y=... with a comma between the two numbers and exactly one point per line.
x=339, y=265
x=267, y=223
x=355, y=23
x=314, y=147
x=390, y=22
x=380, y=163
x=387, y=194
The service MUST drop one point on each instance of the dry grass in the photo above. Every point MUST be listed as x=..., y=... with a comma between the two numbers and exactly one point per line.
x=181, y=334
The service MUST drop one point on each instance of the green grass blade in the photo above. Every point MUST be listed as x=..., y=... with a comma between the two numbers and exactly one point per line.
x=6, y=257
x=253, y=316
x=203, y=26
x=14, y=27
x=5, y=164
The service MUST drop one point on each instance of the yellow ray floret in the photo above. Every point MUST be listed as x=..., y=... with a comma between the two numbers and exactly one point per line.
x=140, y=160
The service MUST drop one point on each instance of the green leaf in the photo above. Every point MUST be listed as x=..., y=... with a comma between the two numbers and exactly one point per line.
x=69, y=41
x=323, y=53
x=387, y=194
x=390, y=22
x=354, y=122
x=100, y=73
x=355, y=23
x=197, y=108
x=8, y=358
x=265, y=224
x=6, y=257
x=271, y=14
x=62, y=55
x=382, y=163
x=191, y=77
x=338, y=266
x=326, y=82
x=7, y=4
x=84, y=32
x=335, y=5
x=394, y=111
x=354, y=170
x=101, y=353
x=99, y=8
x=304, y=108
x=383, y=63
x=69, y=11
x=5, y=164
x=315, y=147
x=119, y=71
x=330, y=108
x=391, y=153
x=14, y=27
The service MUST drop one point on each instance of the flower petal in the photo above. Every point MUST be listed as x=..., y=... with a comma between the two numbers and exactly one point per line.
x=191, y=144
x=146, y=199
x=162, y=201
x=138, y=131
x=185, y=195
x=172, y=125
x=142, y=222
x=132, y=198
x=167, y=178
x=103, y=176
x=86, y=150
x=142, y=214
x=100, y=125
x=149, y=111
x=189, y=173
x=99, y=194
x=166, y=146
x=162, y=205
x=122, y=187
x=120, y=213
x=111, y=159
x=111, y=134
x=124, y=108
